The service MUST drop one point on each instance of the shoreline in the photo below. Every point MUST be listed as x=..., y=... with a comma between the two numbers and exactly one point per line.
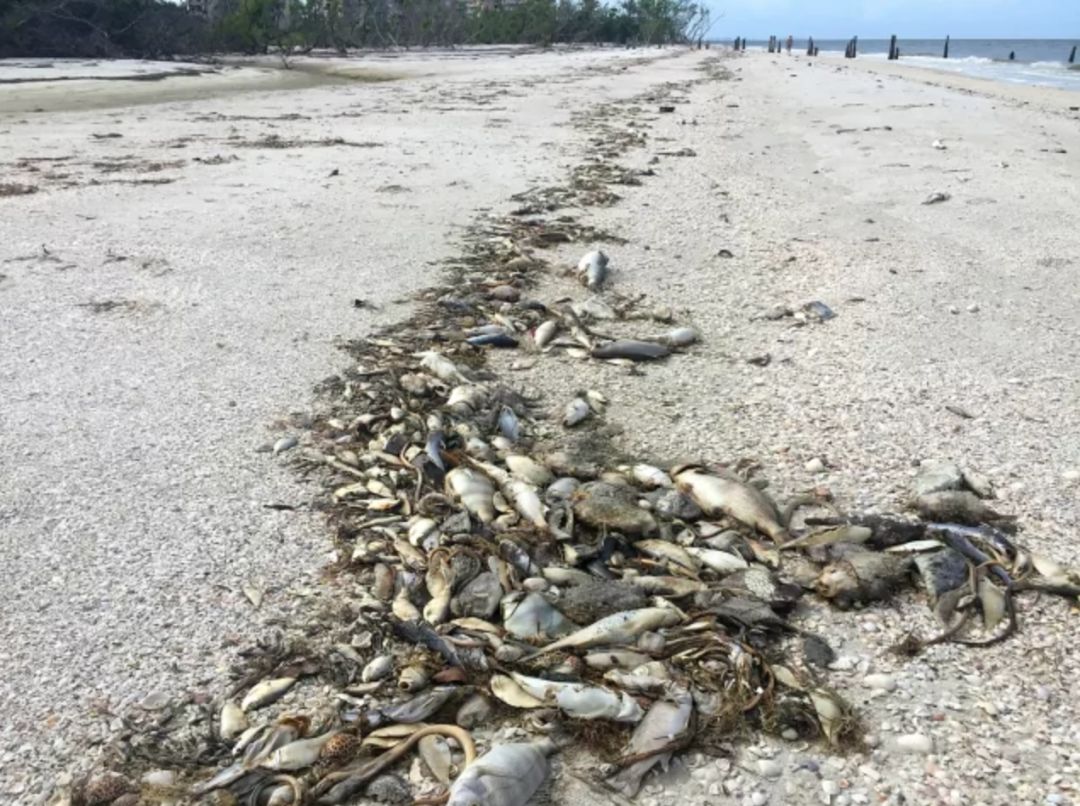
x=672, y=244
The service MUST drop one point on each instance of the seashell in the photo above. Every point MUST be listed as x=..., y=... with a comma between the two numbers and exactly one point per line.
x=413, y=677
x=377, y=669
x=266, y=692
x=231, y=722
x=561, y=489
x=281, y=796
x=339, y=749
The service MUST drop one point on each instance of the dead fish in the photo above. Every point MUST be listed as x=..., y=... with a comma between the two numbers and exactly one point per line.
x=632, y=349
x=615, y=659
x=667, y=585
x=942, y=572
x=593, y=269
x=845, y=533
x=729, y=496
x=664, y=725
x=299, y=754
x=526, y=500
x=592, y=308
x=508, y=424
x=507, y=775
x=544, y=333
x=937, y=198
x=591, y=599
x=820, y=310
x=959, y=506
x=499, y=339
x=528, y=469
x=863, y=576
x=576, y=411
x=677, y=337
x=284, y=444
x=232, y=721
x=613, y=507
x=475, y=492
x=266, y=692
x=413, y=677
x=419, y=707
x=479, y=598
x=618, y=628
x=582, y=700
x=464, y=400
x=534, y=617
x=434, y=448
x=441, y=367
x=377, y=669
x=436, y=755
x=475, y=711
x=668, y=552
x=650, y=476
x=722, y=562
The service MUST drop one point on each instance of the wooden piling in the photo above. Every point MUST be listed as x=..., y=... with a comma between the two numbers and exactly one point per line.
x=894, y=54
x=1072, y=56
x=946, y=54
x=854, y=46
x=810, y=47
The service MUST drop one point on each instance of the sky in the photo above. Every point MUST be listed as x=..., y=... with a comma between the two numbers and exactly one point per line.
x=908, y=19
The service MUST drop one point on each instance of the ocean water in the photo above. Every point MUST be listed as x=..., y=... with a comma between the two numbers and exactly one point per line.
x=1038, y=61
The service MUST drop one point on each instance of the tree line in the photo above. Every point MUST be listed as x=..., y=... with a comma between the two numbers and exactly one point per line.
x=156, y=29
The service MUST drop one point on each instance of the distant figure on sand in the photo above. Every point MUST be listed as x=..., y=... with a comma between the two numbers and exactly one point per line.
x=790, y=42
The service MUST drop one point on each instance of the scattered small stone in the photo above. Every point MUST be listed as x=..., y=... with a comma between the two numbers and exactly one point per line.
x=815, y=465
x=768, y=768
x=880, y=682
x=973, y=308
x=915, y=744
x=505, y=293
x=936, y=477
x=953, y=309
x=154, y=701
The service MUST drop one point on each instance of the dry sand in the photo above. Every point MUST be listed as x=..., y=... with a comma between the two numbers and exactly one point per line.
x=167, y=325
x=156, y=335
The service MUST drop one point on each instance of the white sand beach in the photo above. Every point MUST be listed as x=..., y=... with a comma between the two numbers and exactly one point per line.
x=180, y=258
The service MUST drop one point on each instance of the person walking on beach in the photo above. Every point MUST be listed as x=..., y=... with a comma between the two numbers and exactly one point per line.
x=790, y=42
